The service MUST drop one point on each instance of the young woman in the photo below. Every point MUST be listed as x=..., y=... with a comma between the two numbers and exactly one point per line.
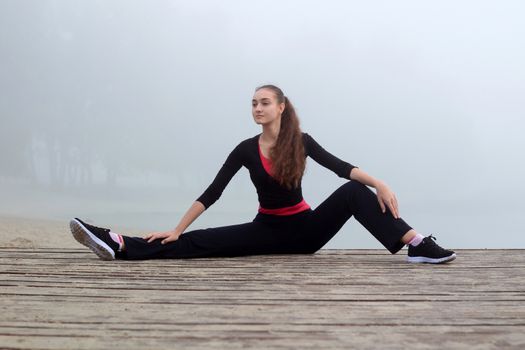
x=285, y=223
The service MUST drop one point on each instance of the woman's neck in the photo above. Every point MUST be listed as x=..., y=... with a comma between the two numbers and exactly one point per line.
x=270, y=133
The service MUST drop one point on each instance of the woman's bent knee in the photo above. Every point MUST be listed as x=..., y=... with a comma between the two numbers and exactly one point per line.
x=354, y=185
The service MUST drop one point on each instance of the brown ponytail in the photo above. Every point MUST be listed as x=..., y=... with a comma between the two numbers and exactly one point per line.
x=287, y=155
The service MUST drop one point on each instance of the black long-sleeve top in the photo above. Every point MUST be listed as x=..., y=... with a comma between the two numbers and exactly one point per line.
x=271, y=194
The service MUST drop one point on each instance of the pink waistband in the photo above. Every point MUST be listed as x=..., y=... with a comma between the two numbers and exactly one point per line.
x=294, y=209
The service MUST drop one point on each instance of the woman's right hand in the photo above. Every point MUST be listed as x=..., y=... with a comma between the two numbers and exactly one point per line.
x=168, y=236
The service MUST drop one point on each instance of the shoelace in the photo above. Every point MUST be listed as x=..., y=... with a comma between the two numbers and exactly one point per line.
x=436, y=246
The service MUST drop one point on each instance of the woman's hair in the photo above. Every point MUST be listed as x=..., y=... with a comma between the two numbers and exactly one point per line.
x=287, y=155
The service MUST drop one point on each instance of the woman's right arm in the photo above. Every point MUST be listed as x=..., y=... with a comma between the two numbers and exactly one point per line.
x=196, y=209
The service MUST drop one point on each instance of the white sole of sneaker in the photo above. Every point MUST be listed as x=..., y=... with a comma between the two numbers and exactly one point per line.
x=83, y=236
x=423, y=259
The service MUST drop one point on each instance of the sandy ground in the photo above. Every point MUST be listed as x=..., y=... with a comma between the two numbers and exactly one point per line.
x=40, y=233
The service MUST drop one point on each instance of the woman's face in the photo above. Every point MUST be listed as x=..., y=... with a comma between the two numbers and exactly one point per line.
x=265, y=108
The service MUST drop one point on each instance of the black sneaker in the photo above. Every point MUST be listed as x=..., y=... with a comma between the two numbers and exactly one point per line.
x=95, y=238
x=429, y=252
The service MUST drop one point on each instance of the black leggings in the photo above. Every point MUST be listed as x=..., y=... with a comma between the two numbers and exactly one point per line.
x=302, y=233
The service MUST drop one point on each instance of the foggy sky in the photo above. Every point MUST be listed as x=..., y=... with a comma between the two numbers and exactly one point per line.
x=136, y=97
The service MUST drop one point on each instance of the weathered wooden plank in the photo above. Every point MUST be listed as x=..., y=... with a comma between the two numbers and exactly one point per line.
x=268, y=337
x=358, y=312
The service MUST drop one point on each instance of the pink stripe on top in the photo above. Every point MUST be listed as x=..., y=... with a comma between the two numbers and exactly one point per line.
x=267, y=163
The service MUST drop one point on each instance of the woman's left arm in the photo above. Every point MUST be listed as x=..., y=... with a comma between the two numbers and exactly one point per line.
x=385, y=196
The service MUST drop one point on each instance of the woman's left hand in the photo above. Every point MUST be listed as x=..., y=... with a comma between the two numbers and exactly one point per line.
x=387, y=198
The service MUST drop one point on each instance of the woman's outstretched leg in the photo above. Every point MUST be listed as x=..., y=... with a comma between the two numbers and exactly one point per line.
x=235, y=240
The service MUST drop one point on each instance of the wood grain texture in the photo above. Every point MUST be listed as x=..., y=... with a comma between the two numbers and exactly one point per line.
x=364, y=299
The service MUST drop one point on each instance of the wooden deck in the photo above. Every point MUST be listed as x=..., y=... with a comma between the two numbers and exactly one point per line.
x=363, y=299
